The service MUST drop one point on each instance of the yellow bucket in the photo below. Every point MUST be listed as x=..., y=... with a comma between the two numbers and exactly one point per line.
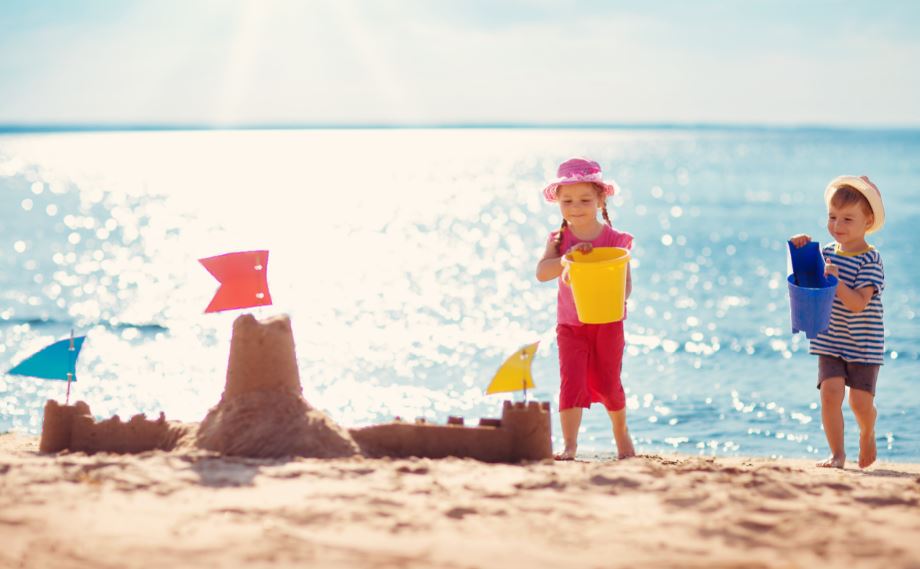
x=598, y=281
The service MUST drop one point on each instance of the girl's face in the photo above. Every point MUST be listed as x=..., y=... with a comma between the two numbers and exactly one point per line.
x=848, y=224
x=579, y=202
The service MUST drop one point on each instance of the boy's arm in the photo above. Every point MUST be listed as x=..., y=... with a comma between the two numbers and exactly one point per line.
x=856, y=300
x=870, y=281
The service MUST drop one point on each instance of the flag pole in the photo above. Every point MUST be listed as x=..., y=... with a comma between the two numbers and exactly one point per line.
x=523, y=356
x=70, y=373
x=259, y=267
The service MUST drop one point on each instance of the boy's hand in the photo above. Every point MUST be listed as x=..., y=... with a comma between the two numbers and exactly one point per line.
x=831, y=269
x=800, y=240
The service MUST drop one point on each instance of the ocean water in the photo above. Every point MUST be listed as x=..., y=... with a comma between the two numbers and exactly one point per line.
x=405, y=259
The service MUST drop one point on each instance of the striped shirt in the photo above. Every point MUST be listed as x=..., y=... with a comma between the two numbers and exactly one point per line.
x=855, y=337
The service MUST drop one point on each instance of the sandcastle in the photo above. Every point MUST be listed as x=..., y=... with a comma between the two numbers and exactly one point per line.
x=523, y=433
x=262, y=414
x=72, y=427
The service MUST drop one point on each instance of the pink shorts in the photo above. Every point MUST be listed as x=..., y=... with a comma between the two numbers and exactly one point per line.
x=590, y=360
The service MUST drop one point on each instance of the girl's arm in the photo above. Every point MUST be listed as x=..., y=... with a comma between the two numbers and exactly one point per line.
x=550, y=265
x=628, y=280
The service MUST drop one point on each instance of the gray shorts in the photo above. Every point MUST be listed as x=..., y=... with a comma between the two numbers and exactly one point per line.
x=855, y=376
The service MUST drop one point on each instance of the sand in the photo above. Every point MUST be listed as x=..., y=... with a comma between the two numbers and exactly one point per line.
x=198, y=509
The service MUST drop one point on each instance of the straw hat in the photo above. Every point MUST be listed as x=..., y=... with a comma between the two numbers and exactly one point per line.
x=867, y=189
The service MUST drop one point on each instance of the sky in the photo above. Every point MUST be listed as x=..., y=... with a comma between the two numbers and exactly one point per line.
x=225, y=63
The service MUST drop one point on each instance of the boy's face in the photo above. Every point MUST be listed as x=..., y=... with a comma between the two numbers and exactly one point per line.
x=848, y=224
x=578, y=202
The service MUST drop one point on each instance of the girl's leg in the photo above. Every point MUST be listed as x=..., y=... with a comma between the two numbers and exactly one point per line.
x=832, y=392
x=571, y=422
x=863, y=405
x=621, y=434
x=573, y=393
x=604, y=381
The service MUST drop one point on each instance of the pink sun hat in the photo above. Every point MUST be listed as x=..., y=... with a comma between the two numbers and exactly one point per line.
x=577, y=170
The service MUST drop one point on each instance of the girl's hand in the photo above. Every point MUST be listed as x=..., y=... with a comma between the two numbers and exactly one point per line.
x=584, y=247
x=831, y=269
x=800, y=240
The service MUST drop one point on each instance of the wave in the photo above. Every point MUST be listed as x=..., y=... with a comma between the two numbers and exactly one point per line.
x=151, y=328
x=764, y=348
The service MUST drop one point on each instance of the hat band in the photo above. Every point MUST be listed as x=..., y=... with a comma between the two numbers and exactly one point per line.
x=593, y=177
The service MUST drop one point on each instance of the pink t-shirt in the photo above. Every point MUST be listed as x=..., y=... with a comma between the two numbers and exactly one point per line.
x=565, y=302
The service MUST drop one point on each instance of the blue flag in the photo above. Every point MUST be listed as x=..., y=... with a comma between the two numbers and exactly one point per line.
x=53, y=362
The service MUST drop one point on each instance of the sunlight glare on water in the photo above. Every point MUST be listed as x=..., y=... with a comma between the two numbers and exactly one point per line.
x=405, y=260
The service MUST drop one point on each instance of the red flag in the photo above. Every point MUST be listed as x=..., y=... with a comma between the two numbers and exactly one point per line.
x=243, y=280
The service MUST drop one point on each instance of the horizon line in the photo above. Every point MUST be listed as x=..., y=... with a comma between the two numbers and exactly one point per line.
x=43, y=127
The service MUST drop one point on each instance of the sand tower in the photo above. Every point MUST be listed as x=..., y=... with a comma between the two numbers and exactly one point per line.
x=529, y=424
x=262, y=412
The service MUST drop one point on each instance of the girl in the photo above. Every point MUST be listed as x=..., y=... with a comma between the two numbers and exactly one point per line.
x=590, y=355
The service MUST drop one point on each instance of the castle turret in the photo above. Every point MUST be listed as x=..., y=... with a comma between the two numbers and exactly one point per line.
x=262, y=357
x=57, y=425
x=531, y=433
x=262, y=412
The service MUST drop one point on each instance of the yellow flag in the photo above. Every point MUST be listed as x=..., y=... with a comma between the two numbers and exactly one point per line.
x=514, y=375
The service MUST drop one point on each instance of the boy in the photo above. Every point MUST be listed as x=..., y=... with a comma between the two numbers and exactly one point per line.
x=850, y=352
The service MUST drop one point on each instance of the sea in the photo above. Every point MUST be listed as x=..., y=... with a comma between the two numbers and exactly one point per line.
x=405, y=259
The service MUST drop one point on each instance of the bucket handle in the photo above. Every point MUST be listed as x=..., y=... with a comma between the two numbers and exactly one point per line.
x=566, y=278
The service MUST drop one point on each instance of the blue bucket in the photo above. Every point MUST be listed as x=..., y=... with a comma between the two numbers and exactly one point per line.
x=811, y=294
x=807, y=264
x=811, y=307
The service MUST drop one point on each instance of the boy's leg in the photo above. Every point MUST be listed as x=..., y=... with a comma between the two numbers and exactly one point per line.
x=832, y=392
x=571, y=422
x=621, y=434
x=863, y=405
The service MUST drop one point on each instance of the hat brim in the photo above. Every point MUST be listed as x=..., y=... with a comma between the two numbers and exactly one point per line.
x=550, y=191
x=868, y=190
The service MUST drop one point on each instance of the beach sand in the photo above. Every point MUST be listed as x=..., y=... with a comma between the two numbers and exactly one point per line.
x=198, y=509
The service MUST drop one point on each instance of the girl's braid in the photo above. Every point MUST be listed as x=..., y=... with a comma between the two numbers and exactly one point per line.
x=604, y=213
x=559, y=236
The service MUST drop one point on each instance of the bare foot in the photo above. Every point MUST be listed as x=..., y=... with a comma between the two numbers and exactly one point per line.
x=833, y=462
x=625, y=447
x=867, y=449
x=567, y=454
